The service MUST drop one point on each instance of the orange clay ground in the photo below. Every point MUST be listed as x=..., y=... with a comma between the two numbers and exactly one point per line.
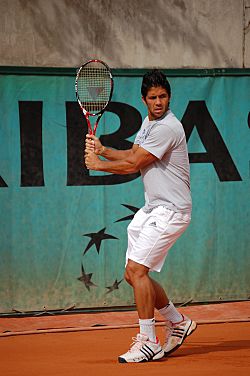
x=219, y=346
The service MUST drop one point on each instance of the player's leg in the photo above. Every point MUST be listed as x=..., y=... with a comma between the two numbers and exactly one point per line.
x=150, y=236
x=146, y=345
x=144, y=292
x=150, y=291
x=161, y=299
x=151, y=249
x=178, y=327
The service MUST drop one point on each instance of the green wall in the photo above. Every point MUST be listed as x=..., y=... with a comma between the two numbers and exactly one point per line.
x=51, y=207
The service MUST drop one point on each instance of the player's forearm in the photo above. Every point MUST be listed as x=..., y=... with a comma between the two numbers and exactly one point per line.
x=120, y=167
x=114, y=155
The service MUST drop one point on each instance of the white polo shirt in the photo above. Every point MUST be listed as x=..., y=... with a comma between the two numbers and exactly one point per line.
x=167, y=180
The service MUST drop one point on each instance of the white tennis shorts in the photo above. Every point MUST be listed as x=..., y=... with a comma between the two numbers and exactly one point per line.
x=151, y=235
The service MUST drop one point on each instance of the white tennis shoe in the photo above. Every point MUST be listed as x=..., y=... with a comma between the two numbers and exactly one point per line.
x=142, y=350
x=176, y=334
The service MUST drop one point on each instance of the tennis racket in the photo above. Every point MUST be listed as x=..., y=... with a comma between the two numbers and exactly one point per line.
x=94, y=88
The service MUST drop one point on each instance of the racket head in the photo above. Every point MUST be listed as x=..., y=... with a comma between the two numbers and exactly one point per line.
x=94, y=87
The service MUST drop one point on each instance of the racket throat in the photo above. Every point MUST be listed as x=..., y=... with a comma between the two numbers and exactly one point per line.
x=90, y=130
x=96, y=124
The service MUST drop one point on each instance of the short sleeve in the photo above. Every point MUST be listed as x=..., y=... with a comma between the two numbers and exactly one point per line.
x=137, y=138
x=160, y=140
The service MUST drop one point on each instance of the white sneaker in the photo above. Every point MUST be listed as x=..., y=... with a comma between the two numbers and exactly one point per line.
x=176, y=334
x=142, y=350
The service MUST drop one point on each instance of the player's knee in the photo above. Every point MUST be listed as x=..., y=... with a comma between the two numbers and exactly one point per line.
x=134, y=272
x=127, y=278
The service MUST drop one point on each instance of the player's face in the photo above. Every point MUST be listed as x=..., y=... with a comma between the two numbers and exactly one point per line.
x=157, y=101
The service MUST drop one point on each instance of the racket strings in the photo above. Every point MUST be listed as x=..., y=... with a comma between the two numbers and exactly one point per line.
x=94, y=87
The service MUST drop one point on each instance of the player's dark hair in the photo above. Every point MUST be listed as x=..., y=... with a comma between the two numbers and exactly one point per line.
x=154, y=78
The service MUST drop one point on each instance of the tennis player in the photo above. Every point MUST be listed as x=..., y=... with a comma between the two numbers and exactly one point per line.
x=160, y=153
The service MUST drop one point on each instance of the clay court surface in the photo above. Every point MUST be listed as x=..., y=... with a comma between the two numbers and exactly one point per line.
x=221, y=347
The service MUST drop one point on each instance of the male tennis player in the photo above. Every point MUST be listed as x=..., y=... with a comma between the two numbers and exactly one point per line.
x=160, y=153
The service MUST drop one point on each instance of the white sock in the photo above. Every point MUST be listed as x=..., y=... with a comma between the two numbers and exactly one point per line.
x=147, y=327
x=170, y=313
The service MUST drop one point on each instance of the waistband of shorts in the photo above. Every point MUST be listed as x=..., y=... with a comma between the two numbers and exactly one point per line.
x=149, y=210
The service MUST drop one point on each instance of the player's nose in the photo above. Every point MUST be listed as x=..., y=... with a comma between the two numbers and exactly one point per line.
x=158, y=101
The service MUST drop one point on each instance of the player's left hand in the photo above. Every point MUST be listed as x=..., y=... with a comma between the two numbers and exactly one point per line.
x=91, y=160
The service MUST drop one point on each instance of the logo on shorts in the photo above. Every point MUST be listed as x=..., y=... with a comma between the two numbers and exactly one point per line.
x=153, y=224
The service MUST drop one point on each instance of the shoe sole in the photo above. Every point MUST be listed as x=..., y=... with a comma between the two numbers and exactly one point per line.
x=190, y=330
x=156, y=357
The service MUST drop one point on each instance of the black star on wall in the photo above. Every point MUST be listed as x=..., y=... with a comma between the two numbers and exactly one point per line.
x=96, y=239
x=115, y=286
x=129, y=217
x=86, y=279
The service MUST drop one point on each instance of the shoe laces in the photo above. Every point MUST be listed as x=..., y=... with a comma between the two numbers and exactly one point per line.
x=137, y=343
x=169, y=329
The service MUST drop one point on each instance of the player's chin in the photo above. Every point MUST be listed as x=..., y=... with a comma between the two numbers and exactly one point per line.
x=158, y=114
